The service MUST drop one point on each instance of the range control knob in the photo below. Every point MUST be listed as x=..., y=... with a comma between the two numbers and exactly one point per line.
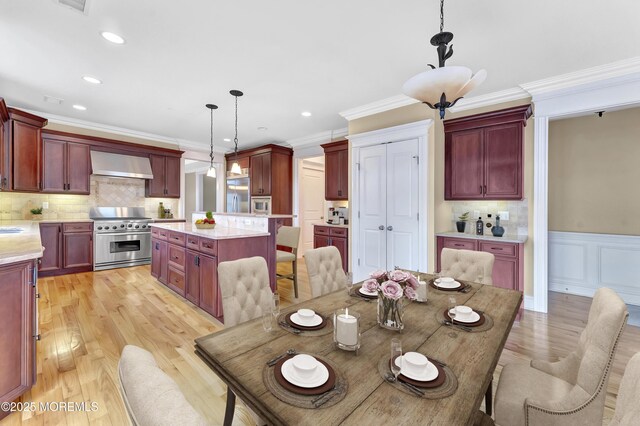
x=137, y=226
x=144, y=226
x=129, y=225
x=121, y=226
x=99, y=228
x=114, y=227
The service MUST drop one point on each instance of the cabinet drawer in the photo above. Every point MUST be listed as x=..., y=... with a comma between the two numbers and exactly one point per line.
x=77, y=227
x=176, y=257
x=338, y=232
x=155, y=232
x=459, y=244
x=499, y=249
x=176, y=281
x=163, y=234
x=177, y=238
x=322, y=230
x=193, y=242
x=208, y=246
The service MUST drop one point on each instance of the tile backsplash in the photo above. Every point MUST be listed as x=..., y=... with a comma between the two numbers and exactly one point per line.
x=518, y=215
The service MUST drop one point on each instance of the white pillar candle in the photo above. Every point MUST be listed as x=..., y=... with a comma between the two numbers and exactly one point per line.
x=347, y=329
x=422, y=291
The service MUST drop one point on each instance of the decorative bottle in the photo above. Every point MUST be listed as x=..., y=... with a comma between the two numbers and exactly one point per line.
x=161, y=211
x=497, y=230
x=479, y=226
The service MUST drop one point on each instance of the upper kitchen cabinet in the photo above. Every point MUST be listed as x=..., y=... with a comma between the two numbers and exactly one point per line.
x=4, y=150
x=484, y=155
x=23, y=152
x=336, y=175
x=166, y=177
x=66, y=166
x=260, y=174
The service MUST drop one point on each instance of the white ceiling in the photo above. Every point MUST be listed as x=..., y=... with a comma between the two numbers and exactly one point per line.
x=288, y=56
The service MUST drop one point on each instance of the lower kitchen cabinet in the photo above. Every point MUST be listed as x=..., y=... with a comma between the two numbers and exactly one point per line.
x=19, y=331
x=68, y=248
x=51, y=237
x=338, y=237
x=159, y=265
x=210, y=297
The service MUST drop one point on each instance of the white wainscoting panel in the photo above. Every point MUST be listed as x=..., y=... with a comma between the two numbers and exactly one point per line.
x=580, y=263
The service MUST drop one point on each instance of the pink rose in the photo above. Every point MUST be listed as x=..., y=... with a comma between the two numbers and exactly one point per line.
x=370, y=285
x=410, y=293
x=391, y=290
x=412, y=282
x=398, y=276
x=379, y=275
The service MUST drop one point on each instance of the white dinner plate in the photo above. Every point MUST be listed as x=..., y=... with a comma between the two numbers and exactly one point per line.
x=295, y=318
x=319, y=377
x=474, y=317
x=361, y=290
x=454, y=284
x=430, y=372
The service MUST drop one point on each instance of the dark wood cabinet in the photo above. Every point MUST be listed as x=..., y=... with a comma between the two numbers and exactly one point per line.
x=484, y=155
x=336, y=156
x=192, y=277
x=260, y=174
x=19, y=331
x=210, y=297
x=166, y=177
x=4, y=146
x=26, y=157
x=66, y=167
x=159, y=264
x=51, y=237
x=68, y=248
x=78, y=250
x=338, y=237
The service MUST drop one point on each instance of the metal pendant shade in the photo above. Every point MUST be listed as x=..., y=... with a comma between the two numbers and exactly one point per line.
x=212, y=170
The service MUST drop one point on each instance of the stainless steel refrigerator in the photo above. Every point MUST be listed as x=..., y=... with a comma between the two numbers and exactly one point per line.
x=238, y=194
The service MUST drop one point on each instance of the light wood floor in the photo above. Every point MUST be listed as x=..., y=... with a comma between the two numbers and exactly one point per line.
x=86, y=319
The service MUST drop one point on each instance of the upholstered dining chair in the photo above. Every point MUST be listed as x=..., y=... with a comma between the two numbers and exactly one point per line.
x=324, y=266
x=573, y=389
x=289, y=236
x=627, y=407
x=467, y=265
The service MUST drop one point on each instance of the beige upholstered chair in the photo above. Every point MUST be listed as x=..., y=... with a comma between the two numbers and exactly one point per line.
x=150, y=396
x=244, y=286
x=627, y=405
x=467, y=265
x=324, y=266
x=573, y=389
x=289, y=236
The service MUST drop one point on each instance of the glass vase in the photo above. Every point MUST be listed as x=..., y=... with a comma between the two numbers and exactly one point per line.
x=390, y=313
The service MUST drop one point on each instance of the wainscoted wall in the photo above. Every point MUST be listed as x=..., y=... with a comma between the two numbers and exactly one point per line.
x=580, y=263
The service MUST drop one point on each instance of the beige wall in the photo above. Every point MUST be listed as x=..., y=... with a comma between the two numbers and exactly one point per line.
x=594, y=169
x=440, y=211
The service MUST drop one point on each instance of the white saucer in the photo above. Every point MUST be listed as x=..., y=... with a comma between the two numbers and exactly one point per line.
x=295, y=318
x=454, y=284
x=474, y=317
x=430, y=372
x=319, y=378
x=366, y=293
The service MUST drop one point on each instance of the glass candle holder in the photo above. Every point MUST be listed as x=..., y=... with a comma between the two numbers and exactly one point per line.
x=346, y=329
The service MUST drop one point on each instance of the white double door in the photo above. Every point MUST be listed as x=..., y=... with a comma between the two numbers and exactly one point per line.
x=389, y=207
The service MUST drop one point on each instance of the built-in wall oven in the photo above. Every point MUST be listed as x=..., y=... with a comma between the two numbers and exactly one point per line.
x=261, y=205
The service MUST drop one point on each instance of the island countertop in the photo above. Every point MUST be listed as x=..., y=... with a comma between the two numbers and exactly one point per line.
x=217, y=233
x=25, y=245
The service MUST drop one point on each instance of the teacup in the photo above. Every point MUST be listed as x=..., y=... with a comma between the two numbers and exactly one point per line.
x=306, y=316
x=304, y=365
x=463, y=312
x=446, y=280
x=414, y=363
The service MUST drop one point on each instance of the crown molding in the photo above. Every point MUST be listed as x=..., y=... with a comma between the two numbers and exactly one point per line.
x=418, y=129
x=318, y=138
x=494, y=98
x=376, y=107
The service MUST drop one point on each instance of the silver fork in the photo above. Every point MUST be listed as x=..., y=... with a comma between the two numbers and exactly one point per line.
x=327, y=396
x=461, y=327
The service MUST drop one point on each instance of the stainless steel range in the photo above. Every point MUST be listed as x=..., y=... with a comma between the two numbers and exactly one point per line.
x=122, y=237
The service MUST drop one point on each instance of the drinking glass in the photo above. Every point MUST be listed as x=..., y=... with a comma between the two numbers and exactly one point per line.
x=396, y=351
x=480, y=276
x=275, y=309
x=349, y=282
x=452, y=307
x=267, y=320
x=436, y=276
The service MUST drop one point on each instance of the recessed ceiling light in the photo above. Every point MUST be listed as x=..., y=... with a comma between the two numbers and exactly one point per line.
x=80, y=107
x=227, y=140
x=306, y=114
x=113, y=38
x=91, y=80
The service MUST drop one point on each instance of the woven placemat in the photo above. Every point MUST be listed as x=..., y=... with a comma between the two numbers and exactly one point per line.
x=303, y=401
x=328, y=329
x=488, y=323
x=448, y=388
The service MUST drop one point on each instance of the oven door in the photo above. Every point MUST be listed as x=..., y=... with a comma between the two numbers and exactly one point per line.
x=117, y=250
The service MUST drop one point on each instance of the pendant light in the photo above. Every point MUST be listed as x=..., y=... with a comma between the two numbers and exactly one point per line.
x=440, y=88
x=212, y=170
x=235, y=167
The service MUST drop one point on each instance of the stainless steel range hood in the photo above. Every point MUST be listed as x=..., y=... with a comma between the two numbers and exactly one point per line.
x=118, y=165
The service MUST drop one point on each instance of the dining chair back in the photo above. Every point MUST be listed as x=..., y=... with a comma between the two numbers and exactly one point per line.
x=467, y=265
x=324, y=266
x=289, y=236
x=573, y=389
x=627, y=406
x=244, y=287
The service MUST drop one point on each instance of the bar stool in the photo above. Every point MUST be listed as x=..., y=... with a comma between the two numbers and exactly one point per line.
x=289, y=236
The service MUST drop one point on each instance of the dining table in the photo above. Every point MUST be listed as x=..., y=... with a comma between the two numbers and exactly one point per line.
x=239, y=356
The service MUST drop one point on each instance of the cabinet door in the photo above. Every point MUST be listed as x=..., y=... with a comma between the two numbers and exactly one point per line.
x=503, y=162
x=53, y=166
x=332, y=175
x=266, y=174
x=17, y=331
x=155, y=186
x=175, y=280
x=156, y=258
x=172, y=177
x=343, y=173
x=51, y=237
x=320, y=241
x=192, y=277
x=77, y=250
x=26, y=157
x=342, y=246
x=4, y=151
x=210, y=299
x=256, y=174
x=463, y=165
x=78, y=168
x=505, y=272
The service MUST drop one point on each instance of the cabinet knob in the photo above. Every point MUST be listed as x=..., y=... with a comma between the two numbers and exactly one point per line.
x=381, y=227
x=389, y=228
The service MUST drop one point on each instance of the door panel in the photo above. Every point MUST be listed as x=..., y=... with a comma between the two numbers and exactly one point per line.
x=503, y=160
x=464, y=165
x=209, y=291
x=77, y=250
x=192, y=277
x=50, y=234
x=505, y=273
x=155, y=186
x=26, y=157
x=311, y=205
x=341, y=244
x=53, y=167
x=172, y=176
x=78, y=168
x=332, y=165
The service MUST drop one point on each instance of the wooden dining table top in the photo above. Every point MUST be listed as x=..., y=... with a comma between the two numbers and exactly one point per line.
x=239, y=354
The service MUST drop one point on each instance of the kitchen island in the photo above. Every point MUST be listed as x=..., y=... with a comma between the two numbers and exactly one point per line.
x=186, y=259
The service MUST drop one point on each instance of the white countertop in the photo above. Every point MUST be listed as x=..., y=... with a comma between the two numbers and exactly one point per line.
x=65, y=221
x=507, y=238
x=217, y=233
x=333, y=225
x=18, y=247
x=268, y=216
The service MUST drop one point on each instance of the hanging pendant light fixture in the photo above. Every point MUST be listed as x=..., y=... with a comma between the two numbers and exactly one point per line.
x=235, y=167
x=212, y=171
x=440, y=88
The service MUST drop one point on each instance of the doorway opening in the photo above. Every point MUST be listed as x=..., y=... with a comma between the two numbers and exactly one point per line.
x=201, y=191
x=311, y=203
